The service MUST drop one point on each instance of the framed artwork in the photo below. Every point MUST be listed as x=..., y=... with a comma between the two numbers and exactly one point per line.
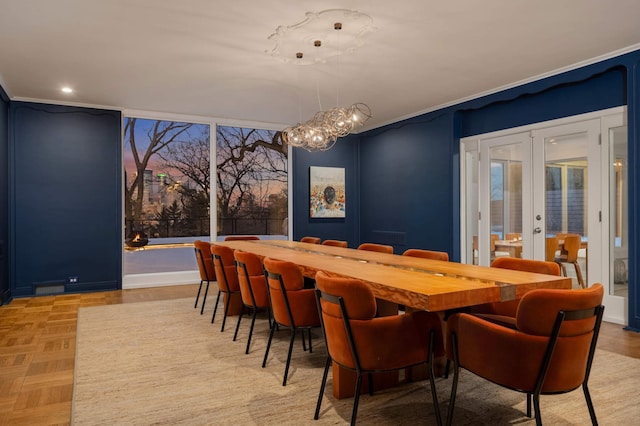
x=327, y=192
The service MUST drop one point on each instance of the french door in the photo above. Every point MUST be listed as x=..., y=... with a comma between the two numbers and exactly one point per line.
x=524, y=189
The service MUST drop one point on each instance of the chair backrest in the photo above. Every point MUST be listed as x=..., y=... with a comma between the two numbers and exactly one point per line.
x=292, y=305
x=381, y=248
x=494, y=238
x=572, y=318
x=203, y=257
x=551, y=248
x=427, y=254
x=571, y=246
x=528, y=265
x=225, y=266
x=340, y=298
x=253, y=287
x=511, y=236
x=311, y=240
x=240, y=237
x=335, y=243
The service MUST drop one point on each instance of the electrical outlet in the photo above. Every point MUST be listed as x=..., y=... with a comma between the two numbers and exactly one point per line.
x=72, y=280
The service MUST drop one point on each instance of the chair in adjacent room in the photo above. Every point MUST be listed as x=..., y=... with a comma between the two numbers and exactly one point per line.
x=206, y=269
x=551, y=247
x=512, y=236
x=335, y=243
x=241, y=238
x=550, y=351
x=476, y=247
x=224, y=264
x=381, y=248
x=427, y=254
x=569, y=254
x=359, y=341
x=311, y=240
x=292, y=306
x=253, y=288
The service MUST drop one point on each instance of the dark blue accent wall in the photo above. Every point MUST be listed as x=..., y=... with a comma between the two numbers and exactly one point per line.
x=5, y=293
x=65, y=196
x=343, y=154
x=406, y=185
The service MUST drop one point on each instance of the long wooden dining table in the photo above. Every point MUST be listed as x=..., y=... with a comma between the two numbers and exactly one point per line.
x=431, y=285
x=417, y=283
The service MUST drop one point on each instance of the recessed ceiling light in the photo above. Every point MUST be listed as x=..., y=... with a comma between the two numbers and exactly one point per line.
x=67, y=90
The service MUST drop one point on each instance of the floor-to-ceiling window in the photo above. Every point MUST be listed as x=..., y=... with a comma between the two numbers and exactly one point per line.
x=166, y=195
x=251, y=182
x=173, y=193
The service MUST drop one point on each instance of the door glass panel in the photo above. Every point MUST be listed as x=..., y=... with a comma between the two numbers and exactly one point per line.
x=506, y=200
x=619, y=262
x=471, y=207
x=566, y=200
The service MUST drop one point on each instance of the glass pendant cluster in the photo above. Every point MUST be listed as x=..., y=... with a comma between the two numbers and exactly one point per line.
x=322, y=131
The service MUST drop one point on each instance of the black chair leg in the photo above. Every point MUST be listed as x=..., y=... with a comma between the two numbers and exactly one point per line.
x=253, y=321
x=215, y=308
x=235, y=335
x=204, y=299
x=322, y=386
x=592, y=411
x=536, y=409
x=356, y=400
x=432, y=380
x=454, y=384
x=529, y=405
x=226, y=309
x=286, y=368
x=266, y=352
x=198, y=295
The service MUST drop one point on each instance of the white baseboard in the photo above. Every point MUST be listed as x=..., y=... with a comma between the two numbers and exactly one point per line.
x=160, y=279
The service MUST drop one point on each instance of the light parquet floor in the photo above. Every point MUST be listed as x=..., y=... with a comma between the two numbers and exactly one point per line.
x=37, y=350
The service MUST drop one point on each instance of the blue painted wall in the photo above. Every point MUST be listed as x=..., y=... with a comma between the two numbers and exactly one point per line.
x=65, y=196
x=5, y=293
x=406, y=184
x=343, y=154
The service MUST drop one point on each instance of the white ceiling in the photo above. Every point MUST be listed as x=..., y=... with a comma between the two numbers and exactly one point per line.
x=208, y=57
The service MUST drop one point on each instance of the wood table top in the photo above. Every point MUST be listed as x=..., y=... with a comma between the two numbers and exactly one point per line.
x=426, y=284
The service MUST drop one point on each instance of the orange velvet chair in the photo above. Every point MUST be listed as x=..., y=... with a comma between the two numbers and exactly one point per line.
x=359, y=341
x=335, y=243
x=224, y=264
x=427, y=254
x=205, y=267
x=311, y=240
x=241, y=237
x=381, y=248
x=569, y=254
x=550, y=351
x=509, y=308
x=293, y=306
x=253, y=289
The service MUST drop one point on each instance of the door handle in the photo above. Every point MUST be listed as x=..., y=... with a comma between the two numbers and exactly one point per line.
x=537, y=230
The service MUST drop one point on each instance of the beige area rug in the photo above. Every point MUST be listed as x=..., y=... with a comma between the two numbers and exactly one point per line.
x=163, y=363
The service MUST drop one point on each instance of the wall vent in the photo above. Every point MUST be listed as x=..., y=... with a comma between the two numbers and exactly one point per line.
x=46, y=288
